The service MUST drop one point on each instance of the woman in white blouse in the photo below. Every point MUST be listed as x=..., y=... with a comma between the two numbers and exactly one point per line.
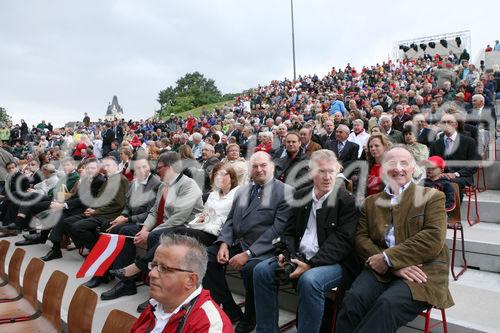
x=207, y=225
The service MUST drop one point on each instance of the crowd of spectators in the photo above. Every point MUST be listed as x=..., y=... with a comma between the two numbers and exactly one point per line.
x=441, y=110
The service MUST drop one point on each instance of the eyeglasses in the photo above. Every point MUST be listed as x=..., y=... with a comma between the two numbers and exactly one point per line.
x=221, y=174
x=165, y=269
x=160, y=166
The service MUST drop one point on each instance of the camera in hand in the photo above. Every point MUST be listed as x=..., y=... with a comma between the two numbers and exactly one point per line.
x=283, y=273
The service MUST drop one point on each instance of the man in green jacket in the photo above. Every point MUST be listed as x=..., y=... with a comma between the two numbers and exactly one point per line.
x=113, y=194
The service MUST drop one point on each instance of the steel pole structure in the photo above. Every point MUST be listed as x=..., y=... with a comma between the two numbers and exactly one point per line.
x=293, y=42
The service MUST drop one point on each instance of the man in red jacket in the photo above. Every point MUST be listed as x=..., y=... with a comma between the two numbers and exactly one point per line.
x=178, y=303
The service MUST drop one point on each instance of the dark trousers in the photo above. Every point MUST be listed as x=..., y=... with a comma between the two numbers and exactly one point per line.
x=215, y=281
x=371, y=306
x=9, y=211
x=127, y=254
x=84, y=232
x=42, y=203
x=154, y=240
x=462, y=182
x=63, y=226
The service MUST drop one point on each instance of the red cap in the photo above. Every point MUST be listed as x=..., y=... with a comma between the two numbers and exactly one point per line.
x=437, y=161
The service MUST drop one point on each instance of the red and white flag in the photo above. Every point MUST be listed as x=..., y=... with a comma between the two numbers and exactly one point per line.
x=102, y=255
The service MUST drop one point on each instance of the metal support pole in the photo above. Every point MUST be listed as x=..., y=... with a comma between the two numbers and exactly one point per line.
x=293, y=42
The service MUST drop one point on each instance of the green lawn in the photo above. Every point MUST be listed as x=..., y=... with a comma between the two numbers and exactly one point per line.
x=197, y=111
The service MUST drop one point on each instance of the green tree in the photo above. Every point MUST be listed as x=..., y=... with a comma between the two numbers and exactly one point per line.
x=191, y=90
x=4, y=116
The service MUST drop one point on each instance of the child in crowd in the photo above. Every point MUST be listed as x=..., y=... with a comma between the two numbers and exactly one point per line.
x=435, y=166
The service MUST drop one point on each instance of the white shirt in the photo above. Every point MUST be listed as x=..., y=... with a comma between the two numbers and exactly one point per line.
x=163, y=317
x=216, y=210
x=361, y=139
x=390, y=239
x=309, y=244
x=45, y=185
x=98, y=148
x=138, y=183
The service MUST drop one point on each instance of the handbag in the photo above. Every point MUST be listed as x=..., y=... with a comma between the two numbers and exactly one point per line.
x=210, y=217
x=63, y=194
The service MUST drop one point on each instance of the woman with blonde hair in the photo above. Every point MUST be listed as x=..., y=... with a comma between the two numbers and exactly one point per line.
x=239, y=164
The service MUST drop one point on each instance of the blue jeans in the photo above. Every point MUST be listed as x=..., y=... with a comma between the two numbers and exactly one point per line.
x=311, y=289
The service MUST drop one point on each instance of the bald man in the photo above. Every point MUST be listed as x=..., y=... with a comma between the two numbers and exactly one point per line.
x=259, y=214
x=345, y=150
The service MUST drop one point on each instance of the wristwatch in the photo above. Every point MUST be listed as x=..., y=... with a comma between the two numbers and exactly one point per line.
x=457, y=174
x=250, y=254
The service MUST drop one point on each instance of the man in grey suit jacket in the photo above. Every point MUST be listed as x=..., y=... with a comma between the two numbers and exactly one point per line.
x=182, y=201
x=259, y=214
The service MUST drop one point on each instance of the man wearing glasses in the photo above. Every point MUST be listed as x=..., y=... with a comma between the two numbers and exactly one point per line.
x=453, y=146
x=178, y=302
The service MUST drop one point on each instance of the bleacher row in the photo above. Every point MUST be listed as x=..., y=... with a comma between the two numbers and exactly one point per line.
x=20, y=310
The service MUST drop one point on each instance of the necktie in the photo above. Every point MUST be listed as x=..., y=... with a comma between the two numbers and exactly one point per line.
x=160, y=211
x=255, y=190
x=340, y=147
x=124, y=170
x=449, y=145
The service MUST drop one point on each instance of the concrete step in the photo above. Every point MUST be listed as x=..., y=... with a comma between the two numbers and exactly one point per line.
x=476, y=308
x=488, y=204
x=482, y=246
x=492, y=173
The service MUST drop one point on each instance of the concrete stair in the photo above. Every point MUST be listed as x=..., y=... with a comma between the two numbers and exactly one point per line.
x=488, y=203
x=482, y=246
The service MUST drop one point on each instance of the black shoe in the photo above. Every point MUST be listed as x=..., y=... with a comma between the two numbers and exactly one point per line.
x=12, y=226
x=141, y=307
x=32, y=236
x=53, y=254
x=97, y=281
x=120, y=289
x=118, y=273
x=244, y=326
x=32, y=240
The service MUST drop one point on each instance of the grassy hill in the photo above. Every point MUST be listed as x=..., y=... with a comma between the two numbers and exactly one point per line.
x=197, y=111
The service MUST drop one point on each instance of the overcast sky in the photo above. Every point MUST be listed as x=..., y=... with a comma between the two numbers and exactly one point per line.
x=59, y=59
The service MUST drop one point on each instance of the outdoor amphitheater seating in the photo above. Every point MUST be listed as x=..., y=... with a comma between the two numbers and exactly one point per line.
x=26, y=307
x=118, y=321
x=50, y=318
x=4, y=247
x=455, y=224
x=12, y=290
